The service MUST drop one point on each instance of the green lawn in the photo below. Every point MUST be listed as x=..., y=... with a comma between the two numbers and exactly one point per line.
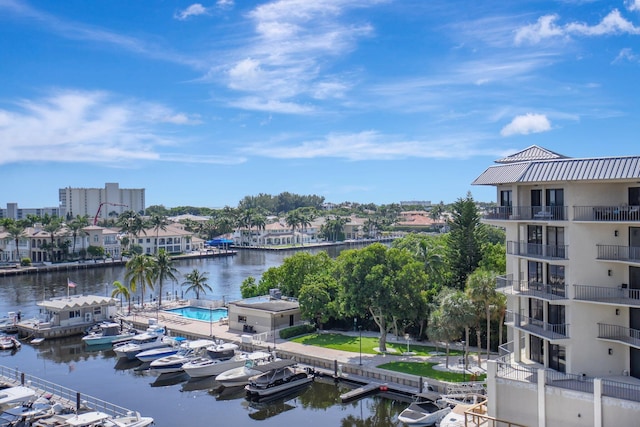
x=369, y=344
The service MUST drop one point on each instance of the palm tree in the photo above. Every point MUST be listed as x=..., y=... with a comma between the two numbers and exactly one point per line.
x=121, y=290
x=76, y=226
x=16, y=232
x=164, y=270
x=293, y=219
x=432, y=261
x=53, y=226
x=481, y=288
x=197, y=282
x=158, y=222
x=457, y=311
x=139, y=272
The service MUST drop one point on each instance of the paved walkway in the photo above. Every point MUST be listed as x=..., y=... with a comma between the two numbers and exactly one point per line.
x=177, y=325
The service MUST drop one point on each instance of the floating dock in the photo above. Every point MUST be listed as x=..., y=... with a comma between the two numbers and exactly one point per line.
x=363, y=391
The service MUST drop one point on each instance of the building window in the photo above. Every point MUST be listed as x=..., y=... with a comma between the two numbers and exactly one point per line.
x=557, y=358
x=242, y=319
x=534, y=240
x=555, y=278
x=555, y=201
x=536, y=349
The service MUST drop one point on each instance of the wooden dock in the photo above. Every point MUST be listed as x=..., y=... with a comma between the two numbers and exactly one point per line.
x=365, y=390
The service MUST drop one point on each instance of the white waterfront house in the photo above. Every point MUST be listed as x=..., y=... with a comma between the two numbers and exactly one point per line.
x=573, y=289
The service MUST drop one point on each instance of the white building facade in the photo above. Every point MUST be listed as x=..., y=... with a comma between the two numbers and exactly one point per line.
x=110, y=200
x=573, y=289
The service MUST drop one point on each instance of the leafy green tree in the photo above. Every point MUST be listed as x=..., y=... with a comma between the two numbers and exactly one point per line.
x=52, y=227
x=439, y=330
x=319, y=298
x=465, y=240
x=292, y=273
x=139, y=272
x=76, y=226
x=196, y=282
x=164, y=270
x=380, y=283
x=120, y=290
x=95, y=251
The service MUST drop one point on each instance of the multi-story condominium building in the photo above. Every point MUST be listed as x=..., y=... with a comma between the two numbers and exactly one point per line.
x=573, y=289
x=14, y=212
x=107, y=201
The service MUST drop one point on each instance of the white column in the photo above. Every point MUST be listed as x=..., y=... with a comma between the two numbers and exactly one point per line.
x=597, y=402
x=542, y=420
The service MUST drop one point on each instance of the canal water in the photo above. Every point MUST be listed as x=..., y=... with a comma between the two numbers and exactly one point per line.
x=171, y=400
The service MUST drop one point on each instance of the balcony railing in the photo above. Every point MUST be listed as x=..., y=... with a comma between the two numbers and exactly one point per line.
x=619, y=333
x=536, y=250
x=619, y=295
x=551, y=331
x=506, y=284
x=526, y=213
x=619, y=253
x=620, y=213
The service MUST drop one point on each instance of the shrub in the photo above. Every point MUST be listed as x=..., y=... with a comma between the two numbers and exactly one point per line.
x=25, y=262
x=294, y=331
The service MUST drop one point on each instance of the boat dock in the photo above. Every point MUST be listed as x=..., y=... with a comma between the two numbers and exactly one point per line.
x=360, y=392
x=68, y=398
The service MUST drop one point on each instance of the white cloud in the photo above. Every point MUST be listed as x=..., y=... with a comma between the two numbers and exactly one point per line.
x=224, y=4
x=526, y=124
x=626, y=54
x=81, y=126
x=545, y=27
x=633, y=5
x=372, y=145
x=195, y=9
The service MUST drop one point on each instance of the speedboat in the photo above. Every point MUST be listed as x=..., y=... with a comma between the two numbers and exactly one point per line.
x=277, y=378
x=9, y=324
x=94, y=419
x=173, y=347
x=139, y=343
x=222, y=350
x=206, y=366
x=9, y=343
x=17, y=395
x=107, y=333
x=425, y=410
x=240, y=376
x=28, y=412
x=188, y=351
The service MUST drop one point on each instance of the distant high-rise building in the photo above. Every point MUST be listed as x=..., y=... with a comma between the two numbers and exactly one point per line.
x=110, y=200
x=14, y=212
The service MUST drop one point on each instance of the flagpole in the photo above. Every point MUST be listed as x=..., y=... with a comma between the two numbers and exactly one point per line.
x=68, y=288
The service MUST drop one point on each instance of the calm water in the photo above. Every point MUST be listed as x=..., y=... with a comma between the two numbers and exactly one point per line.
x=176, y=401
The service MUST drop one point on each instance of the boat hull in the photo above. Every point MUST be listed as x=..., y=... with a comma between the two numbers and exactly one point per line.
x=278, y=389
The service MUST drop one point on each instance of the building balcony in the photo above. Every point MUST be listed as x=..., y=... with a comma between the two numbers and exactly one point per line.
x=545, y=330
x=619, y=253
x=608, y=295
x=526, y=213
x=507, y=285
x=620, y=334
x=622, y=213
x=536, y=250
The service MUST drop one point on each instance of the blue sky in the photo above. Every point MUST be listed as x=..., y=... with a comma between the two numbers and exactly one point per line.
x=354, y=100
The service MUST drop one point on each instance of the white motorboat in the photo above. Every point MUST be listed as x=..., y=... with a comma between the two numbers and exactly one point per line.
x=17, y=395
x=222, y=350
x=463, y=402
x=426, y=410
x=107, y=333
x=29, y=412
x=173, y=347
x=9, y=324
x=279, y=377
x=206, y=366
x=188, y=351
x=240, y=376
x=9, y=343
x=94, y=419
x=139, y=343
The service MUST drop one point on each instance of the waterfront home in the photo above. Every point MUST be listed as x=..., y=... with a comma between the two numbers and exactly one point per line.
x=69, y=315
x=573, y=289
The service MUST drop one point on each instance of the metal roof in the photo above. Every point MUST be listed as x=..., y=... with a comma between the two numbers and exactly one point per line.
x=67, y=303
x=531, y=153
x=562, y=170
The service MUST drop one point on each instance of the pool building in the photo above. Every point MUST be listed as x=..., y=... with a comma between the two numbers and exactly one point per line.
x=264, y=314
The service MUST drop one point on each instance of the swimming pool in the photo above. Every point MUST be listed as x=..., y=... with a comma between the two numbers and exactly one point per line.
x=199, y=313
